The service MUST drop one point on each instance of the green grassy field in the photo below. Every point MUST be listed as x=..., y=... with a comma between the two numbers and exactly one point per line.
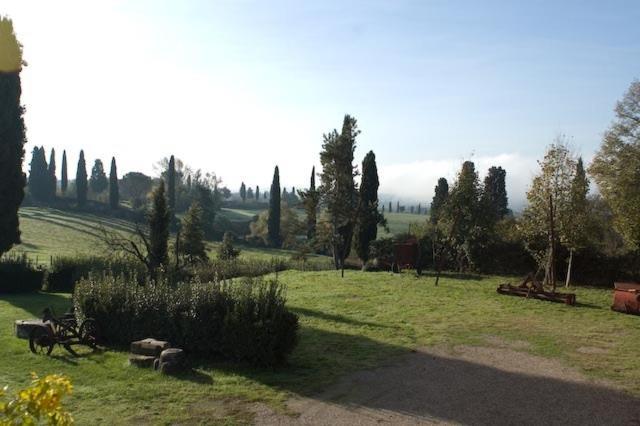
x=347, y=324
x=399, y=223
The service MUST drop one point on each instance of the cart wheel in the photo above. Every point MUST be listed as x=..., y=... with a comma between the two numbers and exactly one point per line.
x=41, y=341
x=89, y=333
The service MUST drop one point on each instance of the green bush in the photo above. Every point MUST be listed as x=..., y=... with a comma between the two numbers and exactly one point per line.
x=66, y=271
x=19, y=275
x=244, y=320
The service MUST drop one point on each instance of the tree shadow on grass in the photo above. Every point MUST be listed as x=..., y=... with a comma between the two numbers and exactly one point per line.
x=453, y=276
x=336, y=318
x=357, y=379
x=35, y=303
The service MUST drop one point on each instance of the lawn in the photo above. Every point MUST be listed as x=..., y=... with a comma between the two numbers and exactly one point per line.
x=398, y=223
x=347, y=324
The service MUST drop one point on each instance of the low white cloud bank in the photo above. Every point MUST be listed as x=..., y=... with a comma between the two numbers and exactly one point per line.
x=415, y=181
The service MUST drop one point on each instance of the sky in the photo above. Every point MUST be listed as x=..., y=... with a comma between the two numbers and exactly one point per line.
x=236, y=87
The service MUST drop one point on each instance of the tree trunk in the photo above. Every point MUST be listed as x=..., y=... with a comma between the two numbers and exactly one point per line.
x=568, y=281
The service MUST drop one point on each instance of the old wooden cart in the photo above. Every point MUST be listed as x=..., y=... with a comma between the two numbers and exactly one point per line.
x=63, y=331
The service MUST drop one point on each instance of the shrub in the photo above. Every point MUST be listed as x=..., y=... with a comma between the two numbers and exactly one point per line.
x=19, y=275
x=66, y=271
x=244, y=320
x=226, y=251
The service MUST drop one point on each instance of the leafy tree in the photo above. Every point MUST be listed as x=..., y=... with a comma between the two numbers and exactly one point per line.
x=243, y=192
x=368, y=217
x=135, y=186
x=576, y=235
x=12, y=139
x=615, y=166
x=209, y=200
x=290, y=227
x=39, y=182
x=274, y=211
x=440, y=196
x=81, y=180
x=338, y=189
x=159, y=219
x=549, y=210
x=494, y=195
x=226, y=251
x=310, y=201
x=257, y=193
x=226, y=192
x=114, y=192
x=53, y=181
x=98, y=181
x=64, y=179
x=171, y=182
x=193, y=246
x=250, y=193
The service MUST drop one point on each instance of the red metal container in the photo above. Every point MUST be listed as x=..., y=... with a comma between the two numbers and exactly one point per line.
x=626, y=298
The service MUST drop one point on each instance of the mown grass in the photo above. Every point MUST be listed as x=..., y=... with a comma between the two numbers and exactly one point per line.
x=399, y=223
x=347, y=324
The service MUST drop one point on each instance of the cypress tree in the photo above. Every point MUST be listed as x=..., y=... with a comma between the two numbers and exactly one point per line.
x=390, y=207
x=193, y=234
x=159, y=220
x=397, y=206
x=368, y=215
x=81, y=181
x=250, y=193
x=257, y=193
x=264, y=195
x=39, y=183
x=114, y=192
x=273, y=225
x=419, y=208
x=284, y=195
x=494, y=195
x=64, y=179
x=441, y=194
x=12, y=179
x=53, y=181
x=310, y=201
x=243, y=192
x=98, y=181
x=171, y=184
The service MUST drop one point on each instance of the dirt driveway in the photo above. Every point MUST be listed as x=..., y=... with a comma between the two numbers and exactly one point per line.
x=495, y=385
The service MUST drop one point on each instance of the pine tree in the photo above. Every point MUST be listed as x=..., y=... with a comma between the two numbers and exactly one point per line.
x=81, y=181
x=53, y=181
x=243, y=192
x=368, y=215
x=114, y=192
x=64, y=179
x=338, y=189
x=226, y=251
x=250, y=193
x=310, y=201
x=159, y=220
x=441, y=194
x=193, y=234
x=494, y=195
x=273, y=224
x=98, y=181
x=171, y=184
x=12, y=129
x=257, y=193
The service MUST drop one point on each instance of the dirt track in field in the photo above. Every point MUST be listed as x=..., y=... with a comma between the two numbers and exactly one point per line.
x=497, y=385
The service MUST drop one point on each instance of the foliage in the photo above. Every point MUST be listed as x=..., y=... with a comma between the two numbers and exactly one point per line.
x=243, y=192
x=171, y=182
x=338, y=189
x=226, y=251
x=114, y=192
x=494, y=201
x=441, y=194
x=98, y=181
x=310, y=201
x=12, y=129
x=368, y=217
x=257, y=192
x=615, y=166
x=243, y=321
x=135, y=187
x=81, y=181
x=273, y=218
x=39, y=178
x=159, y=219
x=192, y=245
x=39, y=403
x=53, y=182
x=209, y=200
x=19, y=275
x=290, y=227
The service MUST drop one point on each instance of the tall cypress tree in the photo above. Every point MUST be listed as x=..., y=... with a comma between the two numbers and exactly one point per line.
x=440, y=196
x=159, y=220
x=243, y=192
x=494, y=199
x=53, y=180
x=368, y=215
x=310, y=201
x=64, y=179
x=257, y=193
x=171, y=184
x=338, y=188
x=98, y=181
x=273, y=225
x=39, y=183
x=81, y=181
x=114, y=192
x=12, y=139
x=390, y=207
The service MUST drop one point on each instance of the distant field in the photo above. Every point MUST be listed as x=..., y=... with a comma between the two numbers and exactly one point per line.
x=398, y=223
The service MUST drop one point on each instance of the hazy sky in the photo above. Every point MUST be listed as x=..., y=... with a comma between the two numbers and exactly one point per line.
x=235, y=87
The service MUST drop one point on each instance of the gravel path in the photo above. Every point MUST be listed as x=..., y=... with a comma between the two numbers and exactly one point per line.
x=465, y=385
